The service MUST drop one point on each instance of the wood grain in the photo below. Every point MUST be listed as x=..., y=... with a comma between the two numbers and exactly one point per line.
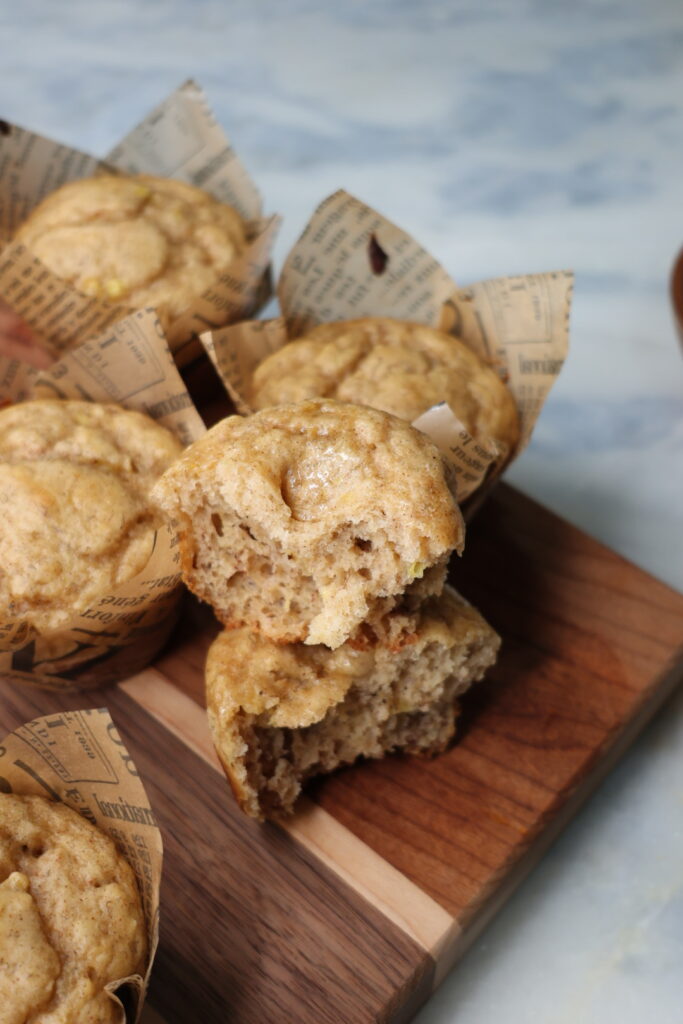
x=591, y=645
x=253, y=927
x=386, y=889
x=389, y=873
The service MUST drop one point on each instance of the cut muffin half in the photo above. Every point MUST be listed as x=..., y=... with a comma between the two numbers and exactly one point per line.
x=304, y=520
x=280, y=714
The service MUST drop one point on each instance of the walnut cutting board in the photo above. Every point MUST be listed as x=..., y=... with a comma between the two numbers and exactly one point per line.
x=357, y=910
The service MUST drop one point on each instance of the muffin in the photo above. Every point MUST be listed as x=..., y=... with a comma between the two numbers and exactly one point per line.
x=302, y=521
x=401, y=368
x=135, y=240
x=77, y=522
x=71, y=919
x=280, y=714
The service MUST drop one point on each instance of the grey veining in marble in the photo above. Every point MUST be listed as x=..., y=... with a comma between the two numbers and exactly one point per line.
x=508, y=137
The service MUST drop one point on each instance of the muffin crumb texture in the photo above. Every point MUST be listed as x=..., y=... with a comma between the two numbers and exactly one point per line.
x=302, y=521
x=71, y=920
x=135, y=240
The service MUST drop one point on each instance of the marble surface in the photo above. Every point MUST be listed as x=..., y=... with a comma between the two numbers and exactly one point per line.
x=507, y=137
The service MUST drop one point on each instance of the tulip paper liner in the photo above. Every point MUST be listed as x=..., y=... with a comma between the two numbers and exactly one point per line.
x=352, y=262
x=78, y=758
x=179, y=139
x=131, y=365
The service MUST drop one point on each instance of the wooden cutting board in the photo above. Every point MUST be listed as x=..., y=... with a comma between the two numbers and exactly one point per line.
x=356, y=911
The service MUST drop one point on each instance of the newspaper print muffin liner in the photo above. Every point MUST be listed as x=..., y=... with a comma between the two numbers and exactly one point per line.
x=352, y=262
x=78, y=758
x=179, y=139
x=130, y=365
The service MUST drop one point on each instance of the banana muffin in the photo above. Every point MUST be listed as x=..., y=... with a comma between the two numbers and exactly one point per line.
x=71, y=919
x=301, y=521
x=74, y=491
x=280, y=714
x=135, y=240
x=402, y=368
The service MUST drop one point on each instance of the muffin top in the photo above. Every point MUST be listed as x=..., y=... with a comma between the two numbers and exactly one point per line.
x=135, y=240
x=402, y=368
x=303, y=469
x=71, y=920
x=74, y=483
x=303, y=520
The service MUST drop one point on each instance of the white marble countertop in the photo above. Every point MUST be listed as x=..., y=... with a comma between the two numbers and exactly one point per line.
x=508, y=137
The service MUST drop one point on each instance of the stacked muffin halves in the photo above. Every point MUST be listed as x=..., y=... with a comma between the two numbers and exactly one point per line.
x=320, y=533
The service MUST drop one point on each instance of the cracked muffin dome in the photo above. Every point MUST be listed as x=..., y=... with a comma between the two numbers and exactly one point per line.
x=76, y=519
x=136, y=240
x=280, y=714
x=303, y=520
x=402, y=368
x=71, y=919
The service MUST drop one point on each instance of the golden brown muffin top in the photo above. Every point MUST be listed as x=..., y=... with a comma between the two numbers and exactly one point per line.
x=303, y=470
x=74, y=483
x=136, y=240
x=402, y=368
x=71, y=920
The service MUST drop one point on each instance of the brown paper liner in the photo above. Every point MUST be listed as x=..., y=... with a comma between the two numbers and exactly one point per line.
x=179, y=139
x=352, y=262
x=79, y=758
x=131, y=365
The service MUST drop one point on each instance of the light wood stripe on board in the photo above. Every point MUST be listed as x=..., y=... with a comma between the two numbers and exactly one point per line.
x=373, y=878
